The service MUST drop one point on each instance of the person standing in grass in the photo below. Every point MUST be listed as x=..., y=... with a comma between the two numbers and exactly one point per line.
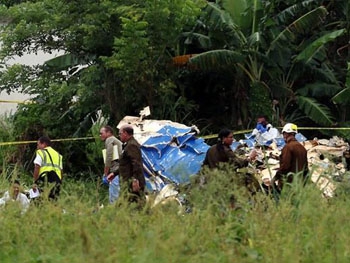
x=111, y=166
x=293, y=158
x=15, y=195
x=48, y=167
x=131, y=169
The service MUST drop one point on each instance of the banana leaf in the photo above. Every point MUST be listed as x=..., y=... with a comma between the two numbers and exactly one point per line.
x=316, y=111
x=217, y=58
x=309, y=52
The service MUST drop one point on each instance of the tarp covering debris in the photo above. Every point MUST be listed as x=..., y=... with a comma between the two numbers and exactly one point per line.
x=171, y=151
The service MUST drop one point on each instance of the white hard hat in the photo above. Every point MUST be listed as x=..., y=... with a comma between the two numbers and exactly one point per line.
x=290, y=128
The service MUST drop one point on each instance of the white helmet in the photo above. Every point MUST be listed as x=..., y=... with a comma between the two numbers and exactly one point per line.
x=290, y=128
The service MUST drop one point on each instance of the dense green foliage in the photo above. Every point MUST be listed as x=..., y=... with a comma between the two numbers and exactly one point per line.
x=117, y=55
x=288, y=57
x=302, y=227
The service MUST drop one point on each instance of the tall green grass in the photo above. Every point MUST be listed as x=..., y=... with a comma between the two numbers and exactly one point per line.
x=7, y=153
x=302, y=227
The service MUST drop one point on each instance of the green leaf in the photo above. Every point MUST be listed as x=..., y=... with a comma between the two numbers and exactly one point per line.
x=294, y=10
x=308, y=21
x=220, y=18
x=64, y=61
x=302, y=25
x=317, y=112
x=343, y=97
x=217, y=58
x=203, y=40
x=309, y=52
x=237, y=9
x=319, y=89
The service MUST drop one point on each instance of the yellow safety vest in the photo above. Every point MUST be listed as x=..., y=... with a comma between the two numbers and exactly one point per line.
x=50, y=165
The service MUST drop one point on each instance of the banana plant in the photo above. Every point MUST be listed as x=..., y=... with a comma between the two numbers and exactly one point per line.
x=342, y=98
x=230, y=31
x=306, y=64
x=281, y=53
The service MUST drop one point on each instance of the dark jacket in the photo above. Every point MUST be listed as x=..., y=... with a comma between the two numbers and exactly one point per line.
x=130, y=163
x=293, y=159
x=223, y=154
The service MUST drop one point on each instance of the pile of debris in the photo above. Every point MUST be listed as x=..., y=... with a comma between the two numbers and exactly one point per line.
x=173, y=152
x=326, y=159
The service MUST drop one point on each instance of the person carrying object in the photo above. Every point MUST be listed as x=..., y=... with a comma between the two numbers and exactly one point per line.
x=111, y=154
x=131, y=169
x=48, y=168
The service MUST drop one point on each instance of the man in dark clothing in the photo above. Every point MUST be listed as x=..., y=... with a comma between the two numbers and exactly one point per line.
x=293, y=158
x=222, y=152
x=130, y=166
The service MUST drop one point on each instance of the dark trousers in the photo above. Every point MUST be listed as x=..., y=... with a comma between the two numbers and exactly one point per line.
x=49, y=180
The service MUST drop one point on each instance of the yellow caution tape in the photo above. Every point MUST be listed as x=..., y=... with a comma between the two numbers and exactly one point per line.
x=324, y=128
x=211, y=136
x=73, y=139
x=54, y=140
x=16, y=143
x=17, y=101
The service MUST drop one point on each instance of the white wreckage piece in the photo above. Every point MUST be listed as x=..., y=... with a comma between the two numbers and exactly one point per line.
x=145, y=129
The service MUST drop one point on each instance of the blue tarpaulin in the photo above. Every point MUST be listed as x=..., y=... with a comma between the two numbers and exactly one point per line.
x=172, y=152
x=172, y=156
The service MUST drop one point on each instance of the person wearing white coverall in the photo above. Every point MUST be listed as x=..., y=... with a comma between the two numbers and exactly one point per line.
x=264, y=132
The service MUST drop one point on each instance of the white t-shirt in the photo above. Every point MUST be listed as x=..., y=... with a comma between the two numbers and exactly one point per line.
x=38, y=160
x=21, y=198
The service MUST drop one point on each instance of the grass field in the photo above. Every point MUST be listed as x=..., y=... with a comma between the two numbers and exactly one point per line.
x=301, y=227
